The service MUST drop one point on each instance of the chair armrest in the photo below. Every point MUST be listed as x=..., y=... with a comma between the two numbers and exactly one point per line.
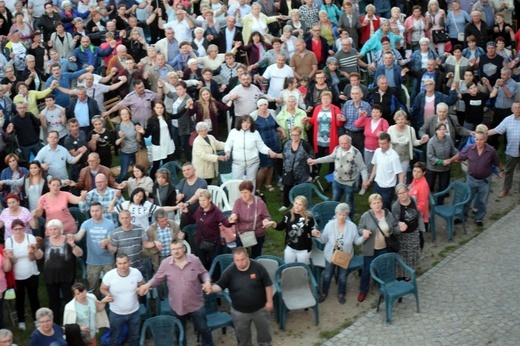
x=374, y=276
x=443, y=192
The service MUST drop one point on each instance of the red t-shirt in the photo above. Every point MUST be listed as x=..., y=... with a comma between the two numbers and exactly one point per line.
x=316, y=48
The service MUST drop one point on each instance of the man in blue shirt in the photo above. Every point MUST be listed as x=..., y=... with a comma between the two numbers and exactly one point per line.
x=65, y=80
x=88, y=54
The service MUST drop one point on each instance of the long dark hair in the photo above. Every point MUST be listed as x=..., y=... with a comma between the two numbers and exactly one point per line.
x=135, y=192
x=165, y=115
x=243, y=118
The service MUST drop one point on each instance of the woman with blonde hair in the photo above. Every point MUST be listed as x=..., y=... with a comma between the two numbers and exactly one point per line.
x=206, y=109
x=298, y=224
x=436, y=17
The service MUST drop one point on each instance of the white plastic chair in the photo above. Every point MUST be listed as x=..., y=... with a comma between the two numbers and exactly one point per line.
x=187, y=246
x=232, y=191
x=317, y=259
x=218, y=196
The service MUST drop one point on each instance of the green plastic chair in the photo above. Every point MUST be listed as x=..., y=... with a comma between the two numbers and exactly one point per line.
x=163, y=331
x=383, y=270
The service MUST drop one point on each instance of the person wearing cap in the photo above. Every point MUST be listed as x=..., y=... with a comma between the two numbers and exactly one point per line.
x=334, y=77
x=477, y=28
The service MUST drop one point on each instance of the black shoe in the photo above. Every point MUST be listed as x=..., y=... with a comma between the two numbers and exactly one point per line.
x=400, y=300
x=322, y=297
x=341, y=299
x=458, y=221
x=480, y=223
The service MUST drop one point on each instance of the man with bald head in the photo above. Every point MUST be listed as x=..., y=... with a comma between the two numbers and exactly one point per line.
x=102, y=194
x=89, y=55
x=348, y=166
x=118, y=61
x=86, y=179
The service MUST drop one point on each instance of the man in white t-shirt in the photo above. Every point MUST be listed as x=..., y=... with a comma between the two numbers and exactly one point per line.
x=120, y=285
x=276, y=74
x=387, y=167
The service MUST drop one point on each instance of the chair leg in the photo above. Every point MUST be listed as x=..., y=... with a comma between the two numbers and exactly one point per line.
x=417, y=301
x=379, y=301
x=450, y=224
x=317, y=313
x=432, y=227
x=389, y=303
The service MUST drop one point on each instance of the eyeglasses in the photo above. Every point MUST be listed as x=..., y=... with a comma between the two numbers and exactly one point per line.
x=295, y=134
x=17, y=229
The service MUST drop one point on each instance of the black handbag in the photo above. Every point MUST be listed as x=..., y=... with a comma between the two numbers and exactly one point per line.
x=392, y=241
x=288, y=178
x=439, y=36
x=207, y=245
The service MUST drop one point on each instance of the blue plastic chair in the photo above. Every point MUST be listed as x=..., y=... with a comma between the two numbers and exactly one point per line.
x=324, y=212
x=383, y=270
x=461, y=196
x=163, y=331
x=216, y=318
x=298, y=290
x=162, y=304
x=222, y=262
x=306, y=189
x=174, y=168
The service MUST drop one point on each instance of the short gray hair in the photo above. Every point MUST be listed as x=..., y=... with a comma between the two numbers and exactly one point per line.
x=43, y=312
x=197, y=29
x=201, y=126
x=442, y=105
x=400, y=187
x=370, y=7
x=160, y=213
x=295, y=10
x=342, y=208
x=6, y=332
x=287, y=28
x=55, y=223
x=424, y=40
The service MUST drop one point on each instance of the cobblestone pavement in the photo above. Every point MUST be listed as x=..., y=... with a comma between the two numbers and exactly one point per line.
x=470, y=298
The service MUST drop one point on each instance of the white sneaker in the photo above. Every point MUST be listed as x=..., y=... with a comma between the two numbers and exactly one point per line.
x=362, y=191
x=282, y=208
x=21, y=326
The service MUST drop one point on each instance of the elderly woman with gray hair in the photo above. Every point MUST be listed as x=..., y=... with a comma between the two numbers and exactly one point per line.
x=47, y=333
x=340, y=234
x=410, y=221
x=205, y=157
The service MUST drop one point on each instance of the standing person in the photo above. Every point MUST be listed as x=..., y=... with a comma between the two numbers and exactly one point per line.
x=47, y=333
x=128, y=140
x=250, y=213
x=208, y=217
x=184, y=274
x=297, y=224
x=205, y=149
x=410, y=221
x=128, y=239
x=252, y=300
x=511, y=127
x=387, y=168
x=340, y=234
x=481, y=157
x=439, y=150
x=374, y=225
x=98, y=231
x=189, y=188
x=420, y=190
x=59, y=270
x=120, y=285
x=22, y=251
x=246, y=144
x=348, y=167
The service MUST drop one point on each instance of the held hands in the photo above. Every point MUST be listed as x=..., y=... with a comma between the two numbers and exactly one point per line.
x=311, y=162
x=266, y=223
x=233, y=218
x=70, y=240
x=143, y=289
x=366, y=234
x=402, y=226
x=103, y=244
x=316, y=233
x=206, y=287
x=158, y=245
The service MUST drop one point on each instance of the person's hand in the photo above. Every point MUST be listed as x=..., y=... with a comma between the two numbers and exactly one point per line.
x=485, y=81
x=228, y=155
x=45, y=166
x=206, y=287
x=104, y=114
x=103, y=244
x=83, y=149
x=189, y=104
x=402, y=226
x=70, y=240
x=311, y=162
x=158, y=245
x=449, y=75
x=70, y=183
x=117, y=193
x=446, y=162
x=266, y=223
x=233, y=96
x=305, y=120
x=237, y=44
x=455, y=85
x=366, y=184
x=122, y=185
x=123, y=79
x=72, y=59
x=108, y=299
x=499, y=83
x=142, y=290
x=233, y=218
x=366, y=234
x=96, y=137
x=495, y=29
x=9, y=253
x=121, y=134
x=139, y=129
x=160, y=82
x=269, y=306
x=316, y=233
x=83, y=194
x=84, y=329
x=501, y=174
x=425, y=139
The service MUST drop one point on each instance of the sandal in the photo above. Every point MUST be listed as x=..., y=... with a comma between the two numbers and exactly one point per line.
x=269, y=188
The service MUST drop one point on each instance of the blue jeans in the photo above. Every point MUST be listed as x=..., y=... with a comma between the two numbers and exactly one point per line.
x=200, y=324
x=479, y=196
x=125, y=160
x=27, y=150
x=365, y=276
x=328, y=273
x=387, y=193
x=133, y=322
x=339, y=189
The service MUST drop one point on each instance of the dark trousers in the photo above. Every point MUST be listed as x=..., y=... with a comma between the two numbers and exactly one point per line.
x=444, y=181
x=157, y=164
x=55, y=299
x=31, y=286
x=387, y=193
x=498, y=115
x=364, y=284
x=358, y=140
x=207, y=257
x=200, y=324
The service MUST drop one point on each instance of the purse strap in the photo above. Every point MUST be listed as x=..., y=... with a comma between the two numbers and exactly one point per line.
x=377, y=223
x=454, y=22
x=256, y=213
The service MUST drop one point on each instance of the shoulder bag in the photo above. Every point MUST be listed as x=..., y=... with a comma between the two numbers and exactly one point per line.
x=438, y=36
x=339, y=258
x=392, y=241
x=460, y=35
x=248, y=238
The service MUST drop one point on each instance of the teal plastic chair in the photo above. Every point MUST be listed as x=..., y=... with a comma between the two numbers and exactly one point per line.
x=449, y=212
x=298, y=290
x=174, y=168
x=383, y=270
x=323, y=212
x=215, y=317
x=162, y=304
x=221, y=262
x=163, y=331
x=306, y=189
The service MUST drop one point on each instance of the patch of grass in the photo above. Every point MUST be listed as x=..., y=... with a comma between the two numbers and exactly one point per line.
x=498, y=216
x=328, y=334
x=444, y=252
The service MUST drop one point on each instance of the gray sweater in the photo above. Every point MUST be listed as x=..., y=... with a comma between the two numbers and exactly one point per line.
x=438, y=150
x=347, y=167
x=367, y=221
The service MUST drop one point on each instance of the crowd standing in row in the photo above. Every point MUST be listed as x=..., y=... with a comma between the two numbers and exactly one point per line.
x=305, y=84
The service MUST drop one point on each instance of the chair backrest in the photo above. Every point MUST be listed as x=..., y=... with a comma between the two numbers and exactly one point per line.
x=306, y=189
x=461, y=194
x=174, y=168
x=163, y=330
x=270, y=263
x=324, y=212
x=294, y=276
x=187, y=246
x=317, y=257
x=231, y=188
x=190, y=231
x=383, y=267
x=222, y=262
x=219, y=198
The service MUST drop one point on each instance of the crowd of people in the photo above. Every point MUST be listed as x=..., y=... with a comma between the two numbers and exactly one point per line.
x=301, y=85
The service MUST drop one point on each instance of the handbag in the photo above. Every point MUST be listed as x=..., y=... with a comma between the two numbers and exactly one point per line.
x=207, y=245
x=339, y=258
x=248, y=238
x=141, y=157
x=439, y=36
x=392, y=241
x=460, y=35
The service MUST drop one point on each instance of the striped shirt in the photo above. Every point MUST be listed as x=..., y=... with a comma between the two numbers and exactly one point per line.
x=348, y=60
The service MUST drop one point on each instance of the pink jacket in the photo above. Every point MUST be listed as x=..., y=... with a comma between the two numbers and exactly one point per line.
x=371, y=140
x=408, y=24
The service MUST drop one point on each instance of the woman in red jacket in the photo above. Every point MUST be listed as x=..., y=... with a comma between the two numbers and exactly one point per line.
x=326, y=120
